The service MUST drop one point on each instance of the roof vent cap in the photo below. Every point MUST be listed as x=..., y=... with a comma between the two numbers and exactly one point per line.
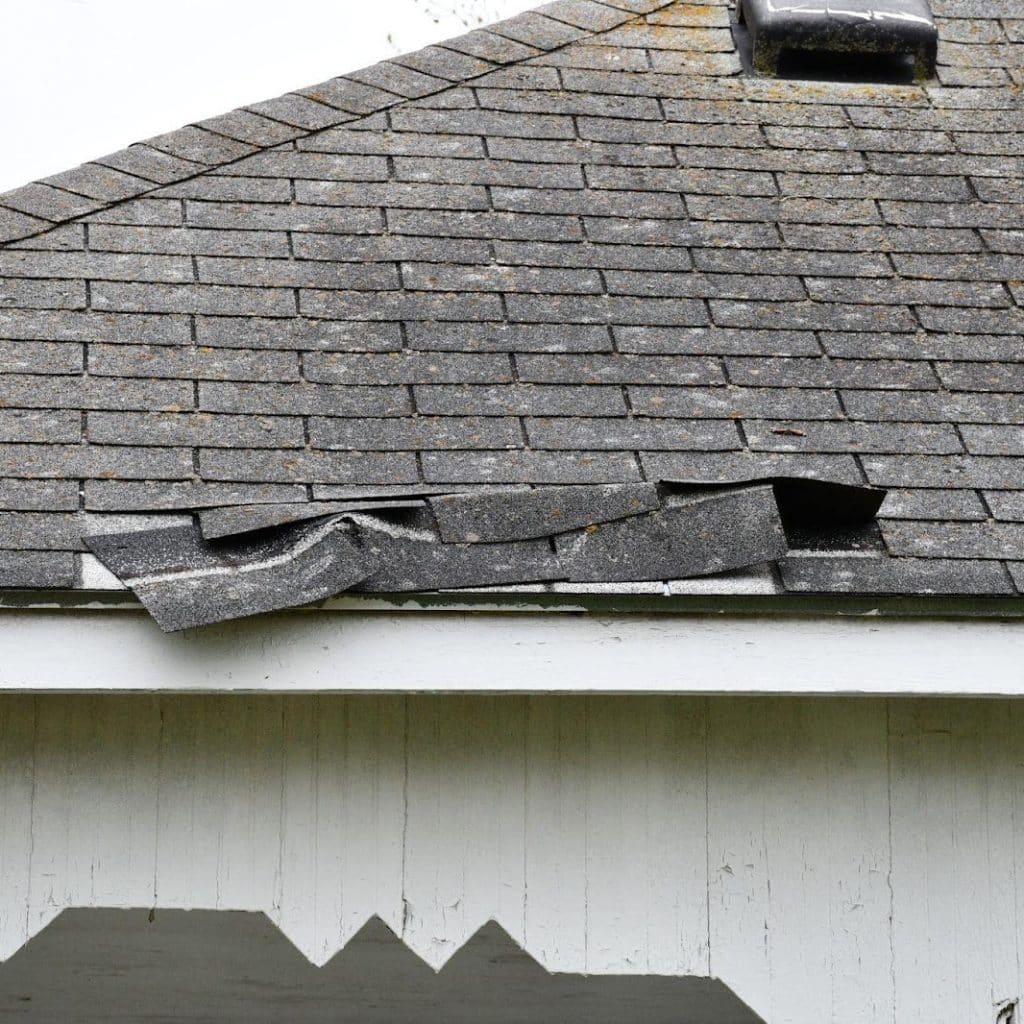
x=846, y=29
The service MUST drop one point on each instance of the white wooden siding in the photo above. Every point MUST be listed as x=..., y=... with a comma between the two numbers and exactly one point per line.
x=832, y=860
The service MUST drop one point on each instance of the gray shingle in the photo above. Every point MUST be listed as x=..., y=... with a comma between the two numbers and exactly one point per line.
x=820, y=316
x=397, y=79
x=232, y=189
x=498, y=278
x=307, y=467
x=312, y=573
x=981, y=376
x=519, y=514
x=993, y=440
x=1006, y=505
x=909, y=407
x=187, y=241
x=831, y=373
x=97, y=266
x=475, y=224
x=735, y=402
x=39, y=495
x=424, y=433
x=297, y=333
x=444, y=63
x=192, y=363
x=330, y=166
x=736, y=467
x=349, y=305
x=607, y=434
x=59, y=392
x=147, y=298
x=601, y=309
x=933, y=504
x=53, y=461
x=38, y=570
x=151, y=164
x=972, y=471
x=350, y=95
x=491, y=47
x=955, y=540
x=131, y=496
x=693, y=538
x=404, y=564
x=27, y=293
x=279, y=217
x=18, y=225
x=46, y=202
x=300, y=111
x=818, y=436
x=519, y=400
x=397, y=195
x=158, y=211
x=98, y=182
x=199, y=146
x=534, y=29
x=281, y=273
x=381, y=248
x=300, y=399
x=245, y=126
x=892, y=576
x=40, y=357
x=195, y=429
x=619, y=369
x=408, y=368
x=715, y=341
x=40, y=426
x=529, y=467
x=504, y=337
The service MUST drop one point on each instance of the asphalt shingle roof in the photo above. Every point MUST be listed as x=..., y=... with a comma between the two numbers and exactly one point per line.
x=577, y=247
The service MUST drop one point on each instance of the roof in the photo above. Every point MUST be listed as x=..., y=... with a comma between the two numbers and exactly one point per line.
x=577, y=247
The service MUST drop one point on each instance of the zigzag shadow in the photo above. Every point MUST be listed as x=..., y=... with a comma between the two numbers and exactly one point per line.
x=93, y=966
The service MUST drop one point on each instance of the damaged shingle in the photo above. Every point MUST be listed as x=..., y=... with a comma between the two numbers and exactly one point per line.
x=700, y=535
x=519, y=514
x=239, y=560
x=238, y=519
x=327, y=566
x=412, y=558
x=185, y=581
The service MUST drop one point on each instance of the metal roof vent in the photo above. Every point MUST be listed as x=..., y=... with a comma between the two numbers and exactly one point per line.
x=845, y=31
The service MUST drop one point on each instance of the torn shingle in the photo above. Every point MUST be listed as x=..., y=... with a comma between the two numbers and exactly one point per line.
x=699, y=535
x=520, y=514
x=411, y=558
x=329, y=564
x=238, y=519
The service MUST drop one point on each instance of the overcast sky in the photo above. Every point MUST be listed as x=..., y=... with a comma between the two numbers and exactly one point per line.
x=82, y=78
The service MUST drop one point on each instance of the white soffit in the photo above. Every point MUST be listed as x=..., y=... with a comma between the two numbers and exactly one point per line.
x=522, y=651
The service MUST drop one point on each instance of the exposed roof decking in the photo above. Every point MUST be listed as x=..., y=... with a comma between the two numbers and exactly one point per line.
x=614, y=259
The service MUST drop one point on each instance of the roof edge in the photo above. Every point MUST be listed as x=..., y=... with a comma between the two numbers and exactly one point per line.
x=934, y=607
x=203, y=146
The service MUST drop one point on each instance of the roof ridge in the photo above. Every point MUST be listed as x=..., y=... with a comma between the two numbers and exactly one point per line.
x=200, y=147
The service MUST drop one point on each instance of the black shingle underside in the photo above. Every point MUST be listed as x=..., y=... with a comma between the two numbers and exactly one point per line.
x=577, y=248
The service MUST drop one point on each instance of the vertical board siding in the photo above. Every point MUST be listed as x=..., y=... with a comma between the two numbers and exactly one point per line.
x=832, y=860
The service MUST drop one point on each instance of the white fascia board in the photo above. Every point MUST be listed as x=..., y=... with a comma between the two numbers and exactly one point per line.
x=525, y=651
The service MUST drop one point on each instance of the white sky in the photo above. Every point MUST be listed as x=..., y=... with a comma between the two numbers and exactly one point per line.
x=82, y=78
